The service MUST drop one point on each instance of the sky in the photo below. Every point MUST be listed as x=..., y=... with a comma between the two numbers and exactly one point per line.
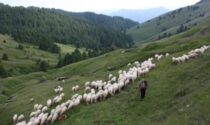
x=100, y=6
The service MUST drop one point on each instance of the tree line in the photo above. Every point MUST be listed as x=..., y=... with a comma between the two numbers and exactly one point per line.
x=78, y=56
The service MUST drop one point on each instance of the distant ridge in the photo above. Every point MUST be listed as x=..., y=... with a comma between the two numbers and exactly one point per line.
x=140, y=15
x=171, y=23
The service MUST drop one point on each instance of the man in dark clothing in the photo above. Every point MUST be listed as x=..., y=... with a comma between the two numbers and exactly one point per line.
x=143, y=88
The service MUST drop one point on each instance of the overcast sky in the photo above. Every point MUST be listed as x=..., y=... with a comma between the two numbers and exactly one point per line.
x=101, y=5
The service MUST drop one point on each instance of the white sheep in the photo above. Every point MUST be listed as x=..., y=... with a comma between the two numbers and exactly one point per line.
x=43, y=118
x=44, y=109
x=63, y=109
x=136, y=63
x=58, y=89
x=21, y=123
x=110, y=76
x=14, y=118
x=58, y=98
x=30, y=123
x=167, y=54
x=87, y=89
x=36, y=113
x=31, y=100
x=87, y=83
x=114, y=79
x=158, y=57
x=36, y=106
x=49, y=102
x=40, y=106
x=20, y=118
x=49, y=118
x=32, y=114
x=54, y=117
x=76, y=102
x=75, y=88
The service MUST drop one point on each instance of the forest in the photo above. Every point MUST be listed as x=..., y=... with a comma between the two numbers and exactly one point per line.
x=44, y=27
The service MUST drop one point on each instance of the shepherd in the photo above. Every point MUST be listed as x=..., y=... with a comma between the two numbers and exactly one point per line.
x=143, y=87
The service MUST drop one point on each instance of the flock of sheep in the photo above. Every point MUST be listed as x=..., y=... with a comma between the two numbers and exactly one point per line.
x=192, y=54
x=94, y=91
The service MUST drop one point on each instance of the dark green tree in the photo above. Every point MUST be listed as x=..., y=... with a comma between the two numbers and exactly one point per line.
x=76, y=55
x=84, y=55
x=73, y=57
x=3, y=72
x=43, y=66
x=67, y=59
x=182, y=28
x=54, y=48
x=60, y=63
x=20, y=47
x=5, y=57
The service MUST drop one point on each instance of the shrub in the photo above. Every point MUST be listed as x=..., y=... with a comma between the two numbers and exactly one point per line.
x=4, y=56
x=3, y=92
x=3, y=72
x=43, y=66
x=20, y=47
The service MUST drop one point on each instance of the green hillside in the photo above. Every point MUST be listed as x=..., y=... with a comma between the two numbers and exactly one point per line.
x=171, y=23
x=67, y=48
x=25, y=60
x=177, y=94
x=44, y=27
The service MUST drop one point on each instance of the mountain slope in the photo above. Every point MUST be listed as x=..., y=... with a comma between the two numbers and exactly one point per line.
x=47, y=26
x=171, y=23
x=115, y=22
x=177, y=94
x=203, y=1
x=140, y=15
x=24, y=59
